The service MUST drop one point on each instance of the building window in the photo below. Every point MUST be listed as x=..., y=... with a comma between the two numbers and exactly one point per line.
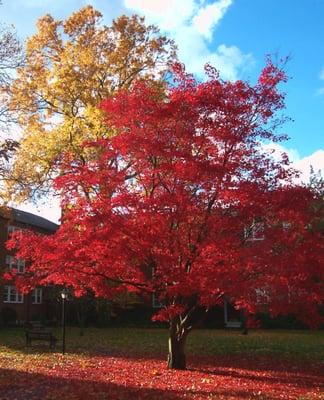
x=156, y=303
x=11, y=295
x=262, y=295
x=255, y=231
x=286, y=226
x=12, y=229
x=15, y=264
x=37, y=296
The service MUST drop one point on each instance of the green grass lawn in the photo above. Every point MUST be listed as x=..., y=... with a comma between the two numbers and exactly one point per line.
x=129, y=364
x=303, y=345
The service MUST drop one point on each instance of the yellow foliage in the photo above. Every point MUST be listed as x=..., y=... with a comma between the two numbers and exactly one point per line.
x=71, y=66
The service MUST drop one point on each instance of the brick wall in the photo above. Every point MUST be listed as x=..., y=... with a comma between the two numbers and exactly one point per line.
x=25, y=311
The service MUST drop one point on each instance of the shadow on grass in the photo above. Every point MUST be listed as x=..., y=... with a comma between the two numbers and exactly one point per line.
x=271, y=376
x=25, y=385
x=20, y=385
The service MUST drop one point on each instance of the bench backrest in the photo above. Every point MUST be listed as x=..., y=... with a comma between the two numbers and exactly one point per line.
x=35, y=334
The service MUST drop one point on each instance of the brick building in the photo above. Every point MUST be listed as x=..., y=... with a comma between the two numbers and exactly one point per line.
x=37, y=304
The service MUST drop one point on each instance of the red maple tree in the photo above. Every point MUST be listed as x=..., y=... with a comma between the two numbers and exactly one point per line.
x=182, y=201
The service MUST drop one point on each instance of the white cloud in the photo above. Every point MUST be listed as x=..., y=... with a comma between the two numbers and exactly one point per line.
x=321, y=76
x=191, y=23
x=230, y=61
x=209, y=16
x=302, y=164
x=37, y=3
x=277, y=149
x=169, y=15
x=316, y=160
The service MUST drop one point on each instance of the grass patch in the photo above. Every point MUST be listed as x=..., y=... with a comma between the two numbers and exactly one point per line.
x=302, y=345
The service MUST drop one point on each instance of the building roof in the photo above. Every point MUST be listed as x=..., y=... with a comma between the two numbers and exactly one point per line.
x=29, y=219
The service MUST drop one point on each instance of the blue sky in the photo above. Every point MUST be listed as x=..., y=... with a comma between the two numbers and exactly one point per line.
x=235, y=36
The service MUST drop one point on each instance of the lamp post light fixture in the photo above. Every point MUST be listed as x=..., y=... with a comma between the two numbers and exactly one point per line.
x=64, y=298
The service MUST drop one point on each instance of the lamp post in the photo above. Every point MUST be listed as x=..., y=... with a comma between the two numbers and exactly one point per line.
x=64, y=297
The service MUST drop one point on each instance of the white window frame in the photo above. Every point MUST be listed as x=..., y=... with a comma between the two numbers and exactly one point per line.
x=11, y=229
x=156, y=303
x=286, y=226
x=11, y=295
x=15, y=264
x=37, y=296
x=254, y=232
x=262, y=295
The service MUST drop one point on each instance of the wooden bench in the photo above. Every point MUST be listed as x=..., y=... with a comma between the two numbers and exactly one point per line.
x=233, y=324
x=40, y=335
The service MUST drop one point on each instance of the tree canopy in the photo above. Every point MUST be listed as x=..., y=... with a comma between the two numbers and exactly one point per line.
x=11, y=57
x=184, y=203
x=71, y=66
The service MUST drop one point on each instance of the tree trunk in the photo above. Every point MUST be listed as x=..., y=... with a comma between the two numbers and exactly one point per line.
x=177, y=342
x=80, y=317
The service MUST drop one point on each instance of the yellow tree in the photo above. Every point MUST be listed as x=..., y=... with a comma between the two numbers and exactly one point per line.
x=70, y=67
